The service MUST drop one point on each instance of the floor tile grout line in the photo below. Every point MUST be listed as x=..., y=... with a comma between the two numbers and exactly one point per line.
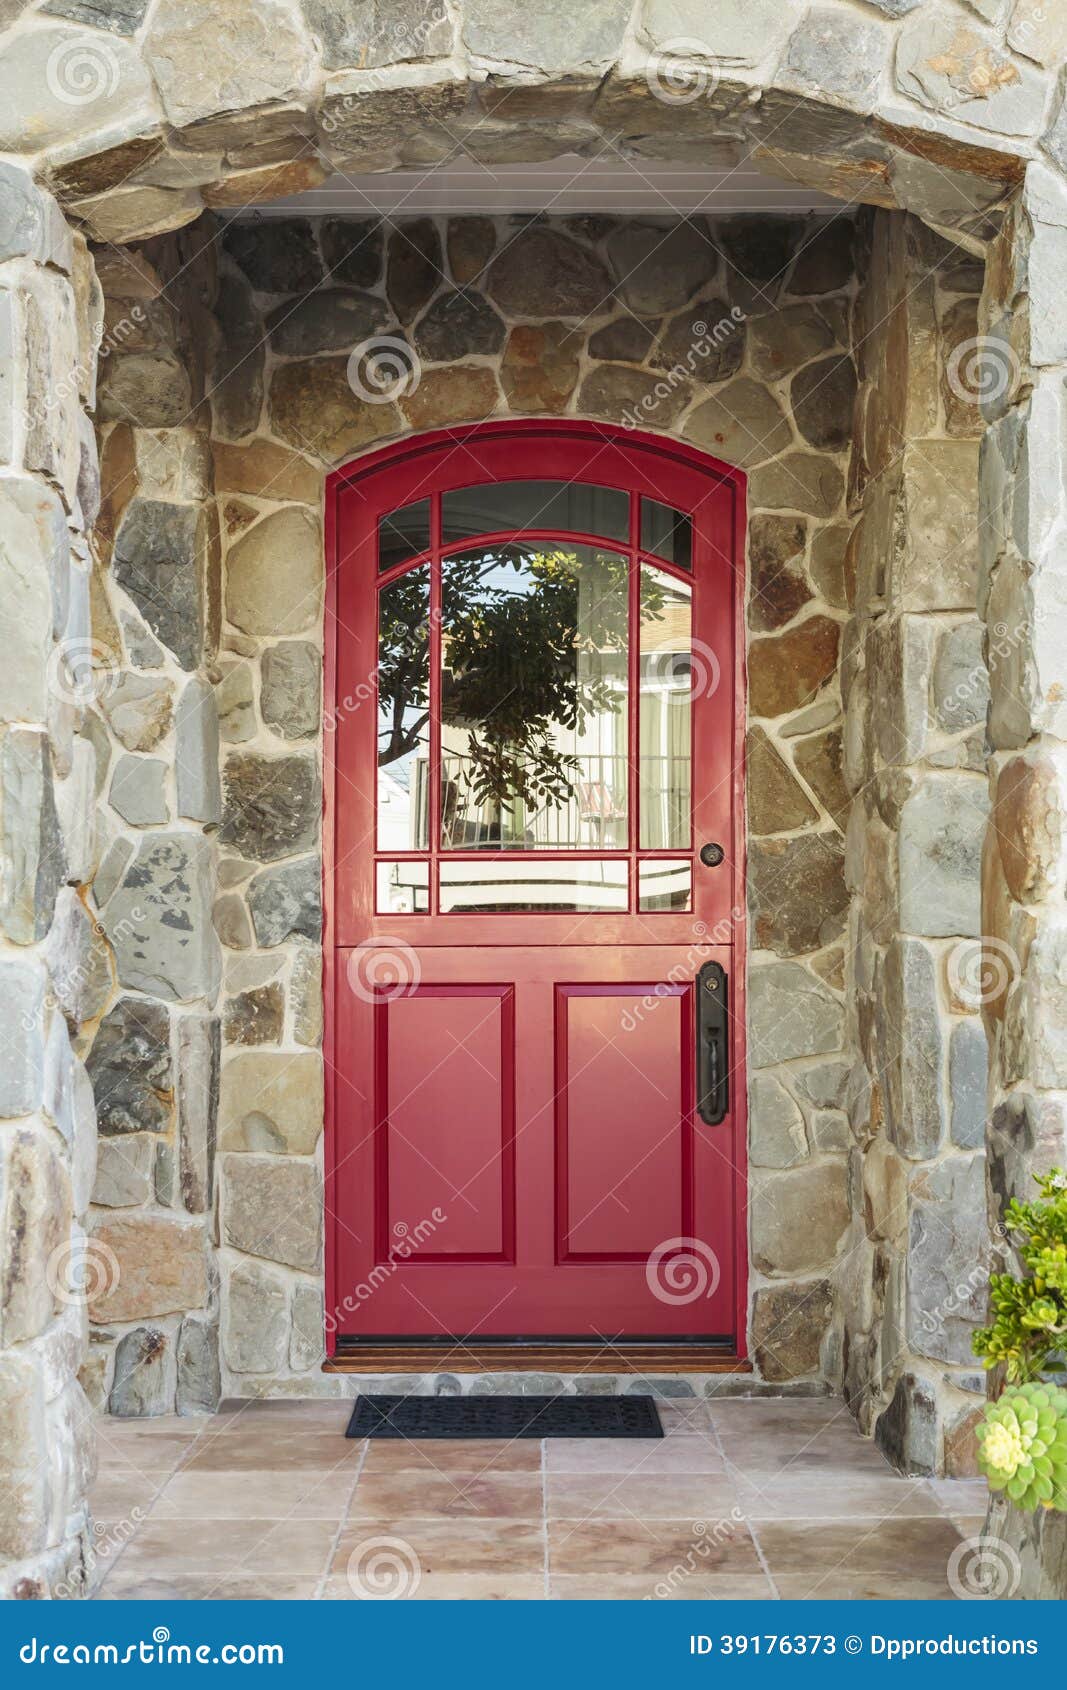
x=174, y=1471
x=341, y=1524
x=544, y=1513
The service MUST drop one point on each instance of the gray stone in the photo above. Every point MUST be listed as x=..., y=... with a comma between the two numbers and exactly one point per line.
x=837, y=56
x=144, y=1375
x=291, y=688
x=947, y=1259
x=784, y=339
x=199, y=1380
x=626, y=341
x=776, y=1134
x=31, y=846
x=120, y=17
x=732, y=35
x=237, y=372
x=234, y=701
x=906, y=1432
x=196, y=756
x=660, y=269
x=911, y=1049
x=144, y=651
x=551, y=37
x=257, y=54
x=272, y=805
x=353, y=250
x=230, y=915
x=942, y=826
x=789, y=1323
x=800, y=481
x=130, y=1068
x=22, y=215
x=370, y=33
x=305, y=991
x=33, y=554
x=458, y=325
x=306, y=1344
x=825, y=1084
x=148, y=389
x=78, y=960
x=968, y=1079
x=124, y=1171
x=138, y=710
x=743, y=423
x=822, y=396
x=963, y=73
x=791, y=1013
x=329, y=320
x=112, y=868
x=272, y=1207
x=278, y=255
x=58, y=83
x=635, y=398
x=960, y=678
x=286, y=903
x=799, y=1217
x=158, y=558
x=542, y=264
x=937, y=565
x=22, y=1007
x=165, y=1178
x=138, y=790
x=197, y=1054
x=159, y=920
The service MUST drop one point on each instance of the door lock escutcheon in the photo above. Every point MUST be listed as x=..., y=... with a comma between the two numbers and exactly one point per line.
x=713, y=1083
x=711, y=855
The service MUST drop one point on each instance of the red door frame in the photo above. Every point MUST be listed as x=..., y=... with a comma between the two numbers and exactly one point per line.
x=431, y=444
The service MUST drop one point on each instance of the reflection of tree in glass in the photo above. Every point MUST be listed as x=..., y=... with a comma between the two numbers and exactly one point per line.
x=524, y=636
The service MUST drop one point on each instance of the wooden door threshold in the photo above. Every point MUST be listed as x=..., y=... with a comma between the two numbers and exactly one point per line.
x=639, y=1359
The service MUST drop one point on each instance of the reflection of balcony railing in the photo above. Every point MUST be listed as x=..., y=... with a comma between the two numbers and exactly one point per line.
x=593, y=817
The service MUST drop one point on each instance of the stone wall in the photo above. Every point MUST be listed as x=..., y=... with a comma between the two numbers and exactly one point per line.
x=733, y=336
x=916, y=693
x=155, y=1034
x=53, y=969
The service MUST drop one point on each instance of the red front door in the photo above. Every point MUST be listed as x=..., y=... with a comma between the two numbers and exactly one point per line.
x=532, y=736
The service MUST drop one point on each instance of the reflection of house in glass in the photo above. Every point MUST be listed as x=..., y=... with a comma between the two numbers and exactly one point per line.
x=535, y=721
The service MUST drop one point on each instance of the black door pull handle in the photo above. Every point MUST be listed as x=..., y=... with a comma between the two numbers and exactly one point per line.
x=713, y=1086
x=711, y=855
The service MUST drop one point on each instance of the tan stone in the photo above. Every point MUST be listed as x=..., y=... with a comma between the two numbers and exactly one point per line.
x=788, y=1326
x=788, y=670
x=776, y=801
x=470, y=246
x=818, y=758
x=274, y=575
x=36, y=1215
x=272, y=1207
x=313, y=406
x=271, y=1101
x=743, y=423
x=465, y=393
x=778, y=588
x=146, y=1267
x=540, y=367
x=139, y=710
x=799, y=1217
x=1028, y=821
x=268, y=470
x=269, y=182
x=885, y=1193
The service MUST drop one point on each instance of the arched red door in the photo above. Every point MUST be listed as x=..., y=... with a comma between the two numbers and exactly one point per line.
x=533, y=862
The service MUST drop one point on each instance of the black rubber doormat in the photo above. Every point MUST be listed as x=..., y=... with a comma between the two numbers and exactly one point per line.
x=505, y=1417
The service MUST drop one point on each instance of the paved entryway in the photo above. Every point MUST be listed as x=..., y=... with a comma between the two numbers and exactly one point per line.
x=740, y=1499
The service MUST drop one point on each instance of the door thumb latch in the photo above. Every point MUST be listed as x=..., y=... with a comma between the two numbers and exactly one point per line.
x=713, y=1083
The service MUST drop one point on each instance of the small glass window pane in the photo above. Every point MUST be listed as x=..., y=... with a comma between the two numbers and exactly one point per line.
x=667, y=532
x=404, y=712
x=665, y=884
x=507, y=506
x=403, y=888
x=534, y=693
x=571, y=888
x=667, y=681
x=403, y=533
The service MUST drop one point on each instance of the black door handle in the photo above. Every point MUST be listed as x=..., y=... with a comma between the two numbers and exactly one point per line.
x=711, y=855
x=713, y=1085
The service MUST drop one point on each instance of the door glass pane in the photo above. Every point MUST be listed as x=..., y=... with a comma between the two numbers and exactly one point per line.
x=567, y=888
x=534, y=698
x=509, y=505
x=403, y=533
x=668, y=677
x=667, y=532
x=403, y=887
x=403, y=712
x=665, y=884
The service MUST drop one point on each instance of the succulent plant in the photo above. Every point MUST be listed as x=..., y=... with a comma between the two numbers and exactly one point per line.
x=1029, y=1308
x=1022, y=1445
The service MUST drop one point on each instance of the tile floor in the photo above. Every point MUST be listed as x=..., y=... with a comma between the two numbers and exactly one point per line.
x=740, y=1499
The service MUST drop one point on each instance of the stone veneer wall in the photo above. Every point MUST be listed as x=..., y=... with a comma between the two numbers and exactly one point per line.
x=916, y=697
x=626, y=322
x=51, y=967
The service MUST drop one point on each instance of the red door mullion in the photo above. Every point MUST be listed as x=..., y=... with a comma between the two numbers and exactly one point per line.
x=633, y=673
x=433, y=820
